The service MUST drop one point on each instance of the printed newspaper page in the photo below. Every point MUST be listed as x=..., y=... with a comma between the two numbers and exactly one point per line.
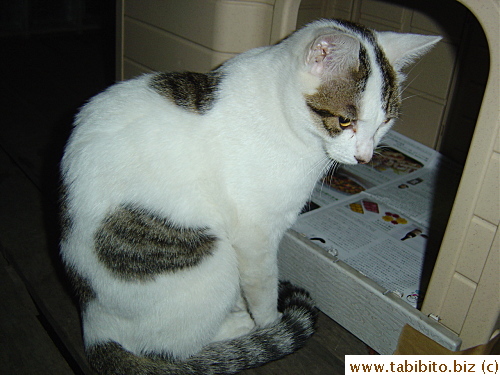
x=376, y=217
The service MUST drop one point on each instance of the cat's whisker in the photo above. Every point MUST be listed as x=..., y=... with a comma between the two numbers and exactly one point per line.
x=409, y=97
x=380, y=148
x=328, y=163
x=318, y=163
x=408, y=84
x=330, y=168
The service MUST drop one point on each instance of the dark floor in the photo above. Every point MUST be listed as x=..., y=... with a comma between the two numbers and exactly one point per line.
x=43, y=80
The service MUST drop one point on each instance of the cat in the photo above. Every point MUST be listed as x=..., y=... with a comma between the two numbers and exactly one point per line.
x=178, y=187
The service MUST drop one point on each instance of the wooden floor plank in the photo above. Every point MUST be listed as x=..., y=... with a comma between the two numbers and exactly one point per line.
x=25, y=347
x=24, y=239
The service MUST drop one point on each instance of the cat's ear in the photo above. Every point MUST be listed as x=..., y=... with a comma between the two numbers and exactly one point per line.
x=403, y=49
x=333, y=55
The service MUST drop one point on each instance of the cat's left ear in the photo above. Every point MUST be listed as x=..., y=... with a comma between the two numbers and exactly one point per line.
x=333, y=55
x=403, y=49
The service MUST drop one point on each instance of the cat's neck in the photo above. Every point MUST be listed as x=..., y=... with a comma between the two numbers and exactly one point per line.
x=269, y=90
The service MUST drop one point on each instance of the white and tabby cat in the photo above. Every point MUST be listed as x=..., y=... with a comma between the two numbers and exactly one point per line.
x=178, y=188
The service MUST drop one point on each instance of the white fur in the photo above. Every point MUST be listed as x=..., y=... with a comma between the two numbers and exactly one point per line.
x=244, y=169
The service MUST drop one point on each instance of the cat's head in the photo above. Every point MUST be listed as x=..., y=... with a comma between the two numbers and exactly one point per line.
x=352, y=84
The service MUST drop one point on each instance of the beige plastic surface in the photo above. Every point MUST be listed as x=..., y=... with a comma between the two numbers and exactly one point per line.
x=195, y=35
x=466, y=275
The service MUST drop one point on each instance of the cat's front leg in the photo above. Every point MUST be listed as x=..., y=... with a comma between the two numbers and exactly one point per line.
x=257, y=256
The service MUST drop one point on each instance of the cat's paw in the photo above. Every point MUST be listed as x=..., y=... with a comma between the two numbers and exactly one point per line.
x=268, y=320
x=236, y=324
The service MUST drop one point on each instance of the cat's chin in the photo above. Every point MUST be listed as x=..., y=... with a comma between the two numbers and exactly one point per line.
x=342, y=159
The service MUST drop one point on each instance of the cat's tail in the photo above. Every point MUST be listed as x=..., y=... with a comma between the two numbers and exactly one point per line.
x=225, y=357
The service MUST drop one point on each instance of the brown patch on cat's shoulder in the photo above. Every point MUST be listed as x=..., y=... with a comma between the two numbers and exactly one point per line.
x=195, y=92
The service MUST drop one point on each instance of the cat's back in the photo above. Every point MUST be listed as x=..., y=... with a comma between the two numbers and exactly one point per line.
x=119, y=105
x=128, y=125
x=138, y=141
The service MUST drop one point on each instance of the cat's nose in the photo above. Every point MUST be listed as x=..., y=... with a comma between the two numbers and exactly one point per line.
x=364, y=150
x=362, y=160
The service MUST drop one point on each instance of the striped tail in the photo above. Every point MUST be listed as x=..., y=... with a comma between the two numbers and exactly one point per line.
x=226, y=357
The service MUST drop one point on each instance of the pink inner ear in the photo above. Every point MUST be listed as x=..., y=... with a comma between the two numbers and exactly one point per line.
x=333, y=55
x=315, y=57
x=315, y=61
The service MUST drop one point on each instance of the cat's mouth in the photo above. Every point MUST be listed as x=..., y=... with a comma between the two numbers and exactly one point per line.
x=342, y=159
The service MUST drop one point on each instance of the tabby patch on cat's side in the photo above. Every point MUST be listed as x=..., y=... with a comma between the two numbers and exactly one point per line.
x=131, y=243
x=178, y=188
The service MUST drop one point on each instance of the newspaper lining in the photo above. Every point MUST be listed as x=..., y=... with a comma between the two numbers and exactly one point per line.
x=376, y=217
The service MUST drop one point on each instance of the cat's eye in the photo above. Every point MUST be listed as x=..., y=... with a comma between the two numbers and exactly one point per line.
x=344, y=122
